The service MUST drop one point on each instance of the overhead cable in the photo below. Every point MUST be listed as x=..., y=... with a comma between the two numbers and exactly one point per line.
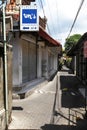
x=76, y=17
x=51, y=17
x=42, y=7
x=44, y=14
x=57, y=11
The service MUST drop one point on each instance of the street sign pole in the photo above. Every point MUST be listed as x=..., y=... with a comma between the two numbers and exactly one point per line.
x=5, y=65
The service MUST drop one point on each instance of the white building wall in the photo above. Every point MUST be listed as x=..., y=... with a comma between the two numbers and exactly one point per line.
x=45, y=62
x=17, y=61
x=46, y=59
x=24, y=59
x=28, y=61
x=55, y=62
x=39, y=61
x=20, y=62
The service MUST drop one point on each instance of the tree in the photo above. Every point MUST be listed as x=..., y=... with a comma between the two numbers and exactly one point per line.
x=71, y=41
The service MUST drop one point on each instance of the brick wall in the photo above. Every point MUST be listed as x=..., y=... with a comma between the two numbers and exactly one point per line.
x=43, y=22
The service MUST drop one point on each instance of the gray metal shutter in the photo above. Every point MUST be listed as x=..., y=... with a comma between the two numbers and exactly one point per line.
x=28, y=61
x=32, y=62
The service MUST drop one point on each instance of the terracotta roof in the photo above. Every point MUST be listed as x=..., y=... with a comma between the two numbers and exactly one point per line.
x=47, y=37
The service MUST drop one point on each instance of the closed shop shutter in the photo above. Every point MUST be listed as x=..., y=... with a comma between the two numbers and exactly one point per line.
x=28, y=61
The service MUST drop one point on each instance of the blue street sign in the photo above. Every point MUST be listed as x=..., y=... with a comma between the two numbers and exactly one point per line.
x=29, y=16
x=29, y=19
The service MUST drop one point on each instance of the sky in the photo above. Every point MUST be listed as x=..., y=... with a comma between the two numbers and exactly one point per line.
x=60, y=16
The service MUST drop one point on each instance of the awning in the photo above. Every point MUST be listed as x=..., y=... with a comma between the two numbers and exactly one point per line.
x=47, y=37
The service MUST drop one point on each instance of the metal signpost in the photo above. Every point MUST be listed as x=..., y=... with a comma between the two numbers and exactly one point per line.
x=29, y=18
x=2, y=6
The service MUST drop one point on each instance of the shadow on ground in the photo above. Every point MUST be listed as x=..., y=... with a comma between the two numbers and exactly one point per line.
x=71, y=97
x=63, y=127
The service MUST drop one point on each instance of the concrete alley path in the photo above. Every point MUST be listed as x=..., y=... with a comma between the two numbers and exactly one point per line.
x=56, y=106
x=70, y=104
x=36, y=110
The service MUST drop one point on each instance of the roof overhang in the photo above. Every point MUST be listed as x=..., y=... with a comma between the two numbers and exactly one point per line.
x=47, y=37
x=75, y=49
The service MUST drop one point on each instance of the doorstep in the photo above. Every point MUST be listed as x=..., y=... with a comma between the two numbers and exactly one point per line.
x=28, y=88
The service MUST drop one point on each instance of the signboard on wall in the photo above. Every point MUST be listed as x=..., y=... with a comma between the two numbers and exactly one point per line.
x=85, y=49
x=29, y=19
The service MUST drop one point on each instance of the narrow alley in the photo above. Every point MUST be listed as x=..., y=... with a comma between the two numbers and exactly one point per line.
x=58, y=105
x=43, y=65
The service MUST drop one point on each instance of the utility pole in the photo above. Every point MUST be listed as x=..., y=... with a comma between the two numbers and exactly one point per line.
x=5, y=60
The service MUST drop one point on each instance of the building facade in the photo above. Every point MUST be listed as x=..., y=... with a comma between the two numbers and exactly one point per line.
x=79, y=58
x=30, y=56
x=35, y=54
x=33, y=57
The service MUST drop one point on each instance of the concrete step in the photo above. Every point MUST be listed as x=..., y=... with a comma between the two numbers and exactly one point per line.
x=29, y=88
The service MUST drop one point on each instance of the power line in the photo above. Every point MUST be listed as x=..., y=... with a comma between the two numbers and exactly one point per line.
x=48, y=29
x=51, y=17
x=76, y=17
x=57, y=16
x=40, y=1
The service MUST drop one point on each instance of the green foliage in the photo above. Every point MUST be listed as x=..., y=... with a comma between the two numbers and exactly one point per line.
x=61, y=63
x=68, y=61
x=71, y=41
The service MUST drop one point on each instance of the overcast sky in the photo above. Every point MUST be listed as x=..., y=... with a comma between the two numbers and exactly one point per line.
x=60, y=16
